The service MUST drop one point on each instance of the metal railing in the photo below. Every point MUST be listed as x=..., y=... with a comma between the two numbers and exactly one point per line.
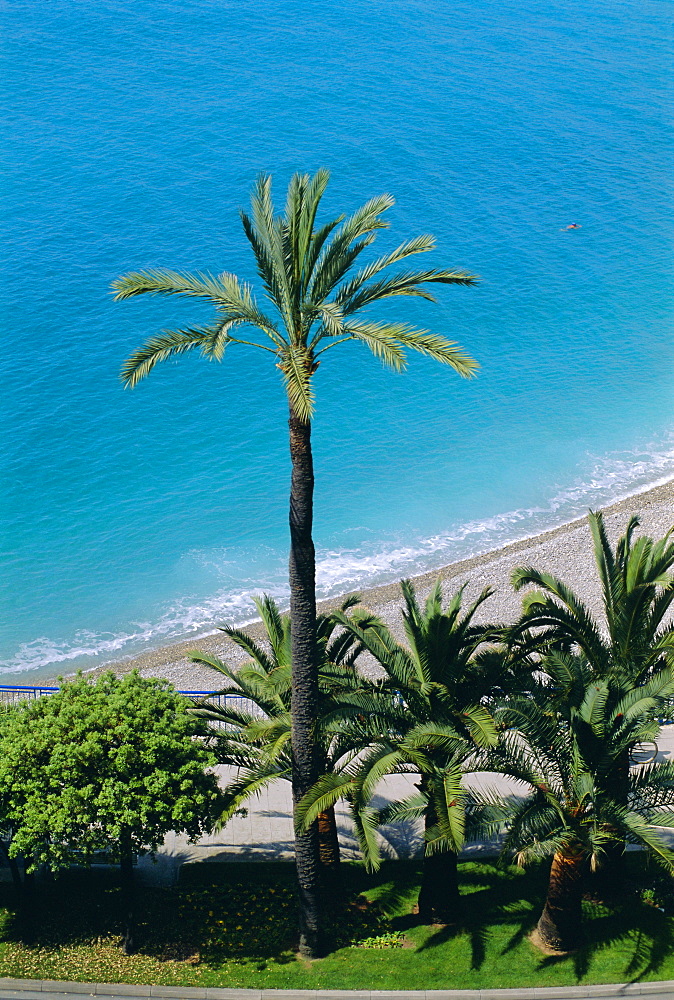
x=11, y=694
x=15, y=692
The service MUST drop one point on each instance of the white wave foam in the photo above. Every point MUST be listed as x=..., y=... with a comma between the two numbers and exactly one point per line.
x=181, y=620
x=612, y=477
x=606, y=479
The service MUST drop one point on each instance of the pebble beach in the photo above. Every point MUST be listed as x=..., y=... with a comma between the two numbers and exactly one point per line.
x=565, y=551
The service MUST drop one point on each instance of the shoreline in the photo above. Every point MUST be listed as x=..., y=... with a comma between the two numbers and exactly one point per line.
x=564, y=550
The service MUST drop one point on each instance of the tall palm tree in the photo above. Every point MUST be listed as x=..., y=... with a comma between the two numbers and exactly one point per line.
x=430, y=722
x=567, y=754
x=304, y=269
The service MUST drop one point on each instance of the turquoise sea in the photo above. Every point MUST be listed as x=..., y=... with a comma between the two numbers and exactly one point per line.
x=133, y=132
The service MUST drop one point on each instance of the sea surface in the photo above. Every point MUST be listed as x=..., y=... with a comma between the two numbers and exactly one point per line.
x=132, y=134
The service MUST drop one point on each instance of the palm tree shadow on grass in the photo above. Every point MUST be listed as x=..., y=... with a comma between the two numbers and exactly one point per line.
x=650, y=937
x=495, y=896
x=512, y=899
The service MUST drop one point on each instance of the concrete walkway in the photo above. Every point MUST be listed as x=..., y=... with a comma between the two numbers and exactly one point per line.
x=46, y=990
x=265, y=833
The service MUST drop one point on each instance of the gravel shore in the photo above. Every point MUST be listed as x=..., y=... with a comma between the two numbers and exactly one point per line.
x=565, y=551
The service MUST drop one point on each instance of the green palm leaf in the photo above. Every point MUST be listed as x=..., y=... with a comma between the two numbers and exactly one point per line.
x=297, y=368
x=161, y=281
x=169, y=344
x=249, y=784
x=420, y=244
x=322, y=796
x=366, y=822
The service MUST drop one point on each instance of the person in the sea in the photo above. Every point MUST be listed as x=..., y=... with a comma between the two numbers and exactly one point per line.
x=574, y=225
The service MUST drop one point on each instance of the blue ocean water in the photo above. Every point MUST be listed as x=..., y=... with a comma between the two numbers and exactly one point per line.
x=133, y=132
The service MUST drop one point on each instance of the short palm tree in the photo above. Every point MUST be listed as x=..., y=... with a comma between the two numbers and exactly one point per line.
x=254, y=717
x=568, y=757
x=430, y=722
x=305, y=270
x=633, y=642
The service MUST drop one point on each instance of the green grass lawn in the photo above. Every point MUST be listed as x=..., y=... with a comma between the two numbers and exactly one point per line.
x=232, y=925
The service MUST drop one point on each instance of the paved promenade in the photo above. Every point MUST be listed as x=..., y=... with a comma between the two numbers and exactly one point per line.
x=266, y=831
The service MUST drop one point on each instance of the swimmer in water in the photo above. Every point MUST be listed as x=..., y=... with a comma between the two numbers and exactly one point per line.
x=574, y=225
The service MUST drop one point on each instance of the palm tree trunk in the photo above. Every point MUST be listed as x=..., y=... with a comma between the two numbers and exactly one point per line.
x=439, y=897
x=304, y=700
x=328, y=840
x=328, y=853
x=559, y=925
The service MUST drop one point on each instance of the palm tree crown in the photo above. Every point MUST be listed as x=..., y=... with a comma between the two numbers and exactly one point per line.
x=637, y=585
x=303, y=269
x=568, y=750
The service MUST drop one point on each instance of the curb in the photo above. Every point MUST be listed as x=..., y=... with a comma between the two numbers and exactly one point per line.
x=47, y=986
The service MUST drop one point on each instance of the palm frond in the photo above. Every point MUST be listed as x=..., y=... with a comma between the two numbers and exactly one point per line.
x=381, y=338
x=663, y=819
x=406, y=283
x=297, y=367
x=354, y=234
x=277, y=627
x=318, y=240
x=593, y=707
x=375, y=764
x=248, y=644
x=447, y=352
x=315, y=190
x=366, y=822
x=420, y=244
x=166, y=345
x=643, y=831
x=249, y=783
x=436, y=736
x=405, y=810
x=210, y=660
x=480, y=725
x=161, y=281
x=450, y=808
x=237, y=303
x=611, y=580
x=268, y=246
x=230, y=716
x=567, y=616
x=322, y=796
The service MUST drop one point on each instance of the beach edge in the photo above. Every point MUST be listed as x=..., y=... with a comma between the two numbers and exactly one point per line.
x=173, y=657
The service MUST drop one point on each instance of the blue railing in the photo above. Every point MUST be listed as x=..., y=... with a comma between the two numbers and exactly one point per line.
x=29, y=691
x=10, y=693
